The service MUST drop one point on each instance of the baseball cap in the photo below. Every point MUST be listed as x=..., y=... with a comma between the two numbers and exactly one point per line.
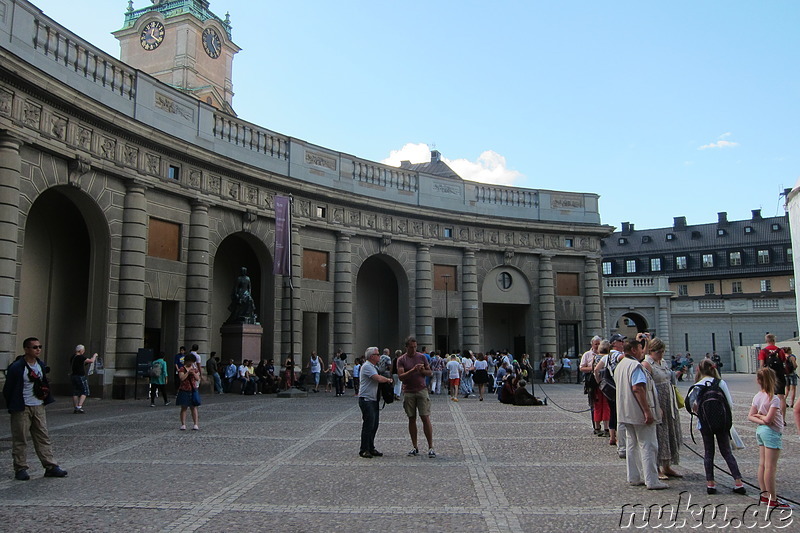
x=617, y=337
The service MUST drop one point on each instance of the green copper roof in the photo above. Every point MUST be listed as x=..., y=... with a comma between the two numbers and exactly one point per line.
x=174, y=8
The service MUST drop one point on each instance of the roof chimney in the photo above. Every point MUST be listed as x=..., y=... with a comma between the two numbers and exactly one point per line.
x=722, y=219
x=436, y=156
x=627, y=228
x=679, y=224
x=756, y=214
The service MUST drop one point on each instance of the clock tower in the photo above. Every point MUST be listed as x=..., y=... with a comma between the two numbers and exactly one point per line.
x=183, y=44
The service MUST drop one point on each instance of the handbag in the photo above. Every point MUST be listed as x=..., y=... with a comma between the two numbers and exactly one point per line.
x=736, y=440
x=678, y=397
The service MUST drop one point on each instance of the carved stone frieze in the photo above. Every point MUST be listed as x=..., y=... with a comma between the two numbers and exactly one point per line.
x=386, y=240
x=195, y=178
x=252, y=195
x=83, y=138
x=109, y=148
x=370, y=221
x=215, y=185
x=321, y=160
x=6, y=101
x=58, y=127
x=153, y=164
x=233, y=190
x=355, y=218
x=32, y=115
x=165, y=103
x=566, y=201
x=338, y=215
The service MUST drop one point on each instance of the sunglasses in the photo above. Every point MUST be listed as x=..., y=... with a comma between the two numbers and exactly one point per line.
x=37, y=347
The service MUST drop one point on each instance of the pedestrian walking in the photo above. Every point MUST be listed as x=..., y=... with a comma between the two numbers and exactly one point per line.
x=158, y=379
x=188, y=394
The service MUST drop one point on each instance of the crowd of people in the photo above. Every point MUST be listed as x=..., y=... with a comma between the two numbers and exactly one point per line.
x=635, y=402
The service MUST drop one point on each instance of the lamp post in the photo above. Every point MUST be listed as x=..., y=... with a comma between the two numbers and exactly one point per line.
x=446, y=278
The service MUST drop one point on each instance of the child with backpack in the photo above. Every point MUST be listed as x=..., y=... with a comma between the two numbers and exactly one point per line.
x=712, y=403
x=766, y=412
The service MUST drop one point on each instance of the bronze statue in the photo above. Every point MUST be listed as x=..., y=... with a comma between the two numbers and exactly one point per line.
x=242, y=307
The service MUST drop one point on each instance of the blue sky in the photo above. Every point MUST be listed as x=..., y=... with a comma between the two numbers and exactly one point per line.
x=663, y=108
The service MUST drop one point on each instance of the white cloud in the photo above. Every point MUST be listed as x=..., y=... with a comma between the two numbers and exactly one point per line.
x=721, y=143
x=490, y=167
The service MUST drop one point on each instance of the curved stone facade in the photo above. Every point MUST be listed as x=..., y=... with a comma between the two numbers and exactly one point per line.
x=127, y=209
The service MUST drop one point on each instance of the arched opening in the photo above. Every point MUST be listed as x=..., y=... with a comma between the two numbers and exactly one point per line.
x=377, y=317
x=234, y=252
x=506, y=303
x=64, y=281
x=630, y=324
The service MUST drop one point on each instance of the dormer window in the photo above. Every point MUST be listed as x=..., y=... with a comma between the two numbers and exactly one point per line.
x=622, y=240
x=776, y=227
x=646, y=238
x=721, y=232
x=670, y=236
x=748, y=229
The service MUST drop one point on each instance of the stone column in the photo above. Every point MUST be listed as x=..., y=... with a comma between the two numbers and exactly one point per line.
x=10, y=168
x=343, y=295
x=131, y=302
x=469, y=302
x=547, y=307
x=197, y=274
x=424, y=297
x=592, y=302
x=663, y=320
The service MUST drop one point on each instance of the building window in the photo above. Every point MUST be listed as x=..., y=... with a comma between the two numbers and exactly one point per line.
x=791, y=284
x=646, y=238
x=670, y=236
x=788, y=255
x=748, y=229
x=630, y=266
x=567, y=284
x=569, y=243
x=735, y=258
x=568, y=339
x=321, y=211
x=776, y=227
x=681, y=262
x=174, y=173
x=448, y=233
x=709, y=288
x=622, y=240
x=163, y=239
x=721, y=232
x=763, y=257
x=766, y=285
x=448, y=273
x=606, y=268
x=655, y=264
x=315, y=265
x=683, y=290
x=736, y=287
x=708, y=260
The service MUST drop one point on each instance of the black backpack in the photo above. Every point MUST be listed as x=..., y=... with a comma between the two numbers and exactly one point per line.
x=386, y=393
x=708, y=402
x=774, y=362
x=608, y=386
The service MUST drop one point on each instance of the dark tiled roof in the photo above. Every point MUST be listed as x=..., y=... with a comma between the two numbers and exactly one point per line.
x=693, y=241
x=435, y=168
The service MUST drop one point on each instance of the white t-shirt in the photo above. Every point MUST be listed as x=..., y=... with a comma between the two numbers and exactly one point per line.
x=454, y=369
x=27, y=385
x=315, y=365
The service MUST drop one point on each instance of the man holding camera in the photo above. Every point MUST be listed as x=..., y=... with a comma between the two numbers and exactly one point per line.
x=26, y=392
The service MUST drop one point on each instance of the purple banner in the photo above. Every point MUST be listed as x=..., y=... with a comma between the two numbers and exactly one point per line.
x=283, y=236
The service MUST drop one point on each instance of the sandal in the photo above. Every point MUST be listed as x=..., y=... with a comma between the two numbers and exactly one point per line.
x=663, y=477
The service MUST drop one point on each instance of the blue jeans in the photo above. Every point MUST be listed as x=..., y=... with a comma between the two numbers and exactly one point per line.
x=370, y=414
x=217, y=382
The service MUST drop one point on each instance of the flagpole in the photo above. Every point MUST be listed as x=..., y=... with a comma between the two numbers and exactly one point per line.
x=291, y=284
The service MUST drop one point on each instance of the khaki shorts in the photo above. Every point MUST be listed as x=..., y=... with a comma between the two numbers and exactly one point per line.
x=417, y=401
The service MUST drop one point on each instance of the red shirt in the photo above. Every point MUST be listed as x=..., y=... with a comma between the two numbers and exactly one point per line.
x=415, y=381
x=762, y=355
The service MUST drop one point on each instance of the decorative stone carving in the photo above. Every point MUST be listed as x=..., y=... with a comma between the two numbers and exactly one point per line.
x=538, y=241
x=566, y=201
x=195, y=178
x=386, y=240
x=269, y=198
x=153, y=164
x=508, y=238
x=338, y=215
x=6, y=101
x=416, y=228
x=233, y=190
x=508, y=255
x=463, y=234
x=215, y=185
x=84, y=138
x=386, y=223
x=252, y=195
x=165, y=103
x=320, y=160
x=58, y=127
x=494, y=237
x=130, y=156
x=371, y=221
x=355, y=218
x=304, y=208
x=479, y=235
x=402, y=226
x=32, y=115
x=248, y=218
x=433, y=231
x=109, y=148
x=78, y=167
x=524, y=239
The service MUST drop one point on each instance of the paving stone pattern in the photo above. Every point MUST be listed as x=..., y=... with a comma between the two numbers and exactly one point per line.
x=260, y=463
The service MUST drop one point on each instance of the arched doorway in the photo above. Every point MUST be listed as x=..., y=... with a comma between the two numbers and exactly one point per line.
x=506, y=300
x=64, y=283
x=378, y=320
x=236, y=251
x=630, y=324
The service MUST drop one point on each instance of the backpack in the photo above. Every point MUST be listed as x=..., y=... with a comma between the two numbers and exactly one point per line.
x=773, y=361
x=155, y=370
x=709, y=404
x=608, y=386
x=386, y=393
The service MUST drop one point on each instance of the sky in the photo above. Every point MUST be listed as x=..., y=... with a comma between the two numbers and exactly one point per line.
x=664, y=108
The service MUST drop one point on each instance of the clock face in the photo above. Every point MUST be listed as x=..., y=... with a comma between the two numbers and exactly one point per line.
x=152, y=35
x=211, y=43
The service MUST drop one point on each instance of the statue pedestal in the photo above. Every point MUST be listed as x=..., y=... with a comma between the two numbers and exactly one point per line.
x=241, y=341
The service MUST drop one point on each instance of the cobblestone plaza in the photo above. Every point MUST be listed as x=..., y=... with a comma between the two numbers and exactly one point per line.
x=260, y=463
